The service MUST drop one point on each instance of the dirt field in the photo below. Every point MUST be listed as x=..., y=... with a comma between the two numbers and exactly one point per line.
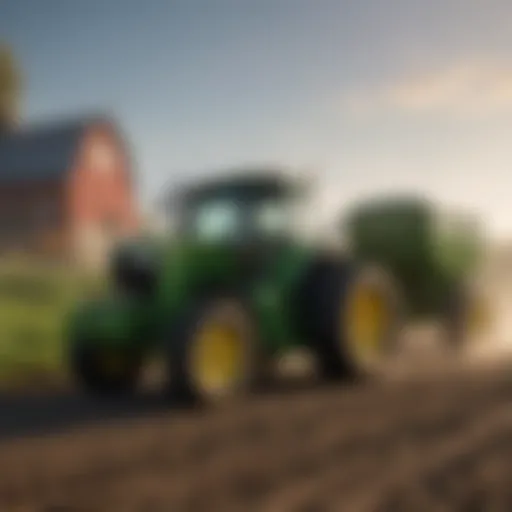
x=440, y=442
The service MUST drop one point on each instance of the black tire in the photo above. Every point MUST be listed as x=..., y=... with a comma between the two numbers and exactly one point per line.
x=93, y=379
x=184, y=382
x=325, y=297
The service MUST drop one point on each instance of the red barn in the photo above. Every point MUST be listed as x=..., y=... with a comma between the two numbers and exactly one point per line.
x=66, y=190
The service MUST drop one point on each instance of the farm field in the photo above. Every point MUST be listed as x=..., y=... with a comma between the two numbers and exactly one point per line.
x=439, y=442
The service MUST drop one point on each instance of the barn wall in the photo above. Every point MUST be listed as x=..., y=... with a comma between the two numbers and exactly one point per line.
x=32, y=218
x=101, y=198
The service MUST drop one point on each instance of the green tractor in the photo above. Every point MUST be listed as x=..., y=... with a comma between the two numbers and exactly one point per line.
x=234, y=288
x=433, y=255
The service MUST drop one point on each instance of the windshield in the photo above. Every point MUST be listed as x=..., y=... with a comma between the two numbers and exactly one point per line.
x=226, y=220
x=271, y=217
x=216, y=220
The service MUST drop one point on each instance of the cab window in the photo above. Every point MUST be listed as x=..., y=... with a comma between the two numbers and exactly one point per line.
x=217, y=221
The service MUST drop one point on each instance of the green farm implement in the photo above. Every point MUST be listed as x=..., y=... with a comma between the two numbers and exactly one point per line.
x=433, y=255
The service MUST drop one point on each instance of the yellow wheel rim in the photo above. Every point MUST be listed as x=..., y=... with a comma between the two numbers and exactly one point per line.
x=366, y=321
x=217, y=358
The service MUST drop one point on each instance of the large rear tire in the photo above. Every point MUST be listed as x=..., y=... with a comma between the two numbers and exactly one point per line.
x=354, y=314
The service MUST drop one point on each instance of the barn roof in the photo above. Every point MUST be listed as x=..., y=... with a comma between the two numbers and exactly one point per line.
x=42, y=152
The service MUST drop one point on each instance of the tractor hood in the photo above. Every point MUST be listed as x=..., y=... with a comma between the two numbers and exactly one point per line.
x=171, y=272
x=142, y=266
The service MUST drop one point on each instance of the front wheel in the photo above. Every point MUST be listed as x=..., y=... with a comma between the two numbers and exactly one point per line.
x=213, y=356
x=105, y=370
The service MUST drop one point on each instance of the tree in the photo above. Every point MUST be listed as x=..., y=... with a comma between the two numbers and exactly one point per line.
x=10, y=89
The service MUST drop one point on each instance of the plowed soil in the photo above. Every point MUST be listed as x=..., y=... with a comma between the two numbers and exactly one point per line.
x=442, y=443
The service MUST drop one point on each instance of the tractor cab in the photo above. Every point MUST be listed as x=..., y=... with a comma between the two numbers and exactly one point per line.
x=243, y=216
x=239, y=209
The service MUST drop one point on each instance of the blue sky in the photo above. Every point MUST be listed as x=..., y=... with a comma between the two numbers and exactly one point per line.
x=374, y=94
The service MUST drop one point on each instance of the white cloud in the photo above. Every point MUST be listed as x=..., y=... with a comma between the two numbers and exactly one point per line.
x=474, y=88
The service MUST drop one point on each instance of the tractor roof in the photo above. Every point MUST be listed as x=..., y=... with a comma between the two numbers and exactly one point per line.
x=246, y=184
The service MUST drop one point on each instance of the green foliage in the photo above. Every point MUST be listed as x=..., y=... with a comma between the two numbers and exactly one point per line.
x=34, y=301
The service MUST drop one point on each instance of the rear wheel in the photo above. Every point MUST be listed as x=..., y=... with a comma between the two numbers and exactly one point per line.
x=212, y=357
x=105, y=370
x=355, y=312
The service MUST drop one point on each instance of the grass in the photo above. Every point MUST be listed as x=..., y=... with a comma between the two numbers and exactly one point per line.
x=34, y=301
